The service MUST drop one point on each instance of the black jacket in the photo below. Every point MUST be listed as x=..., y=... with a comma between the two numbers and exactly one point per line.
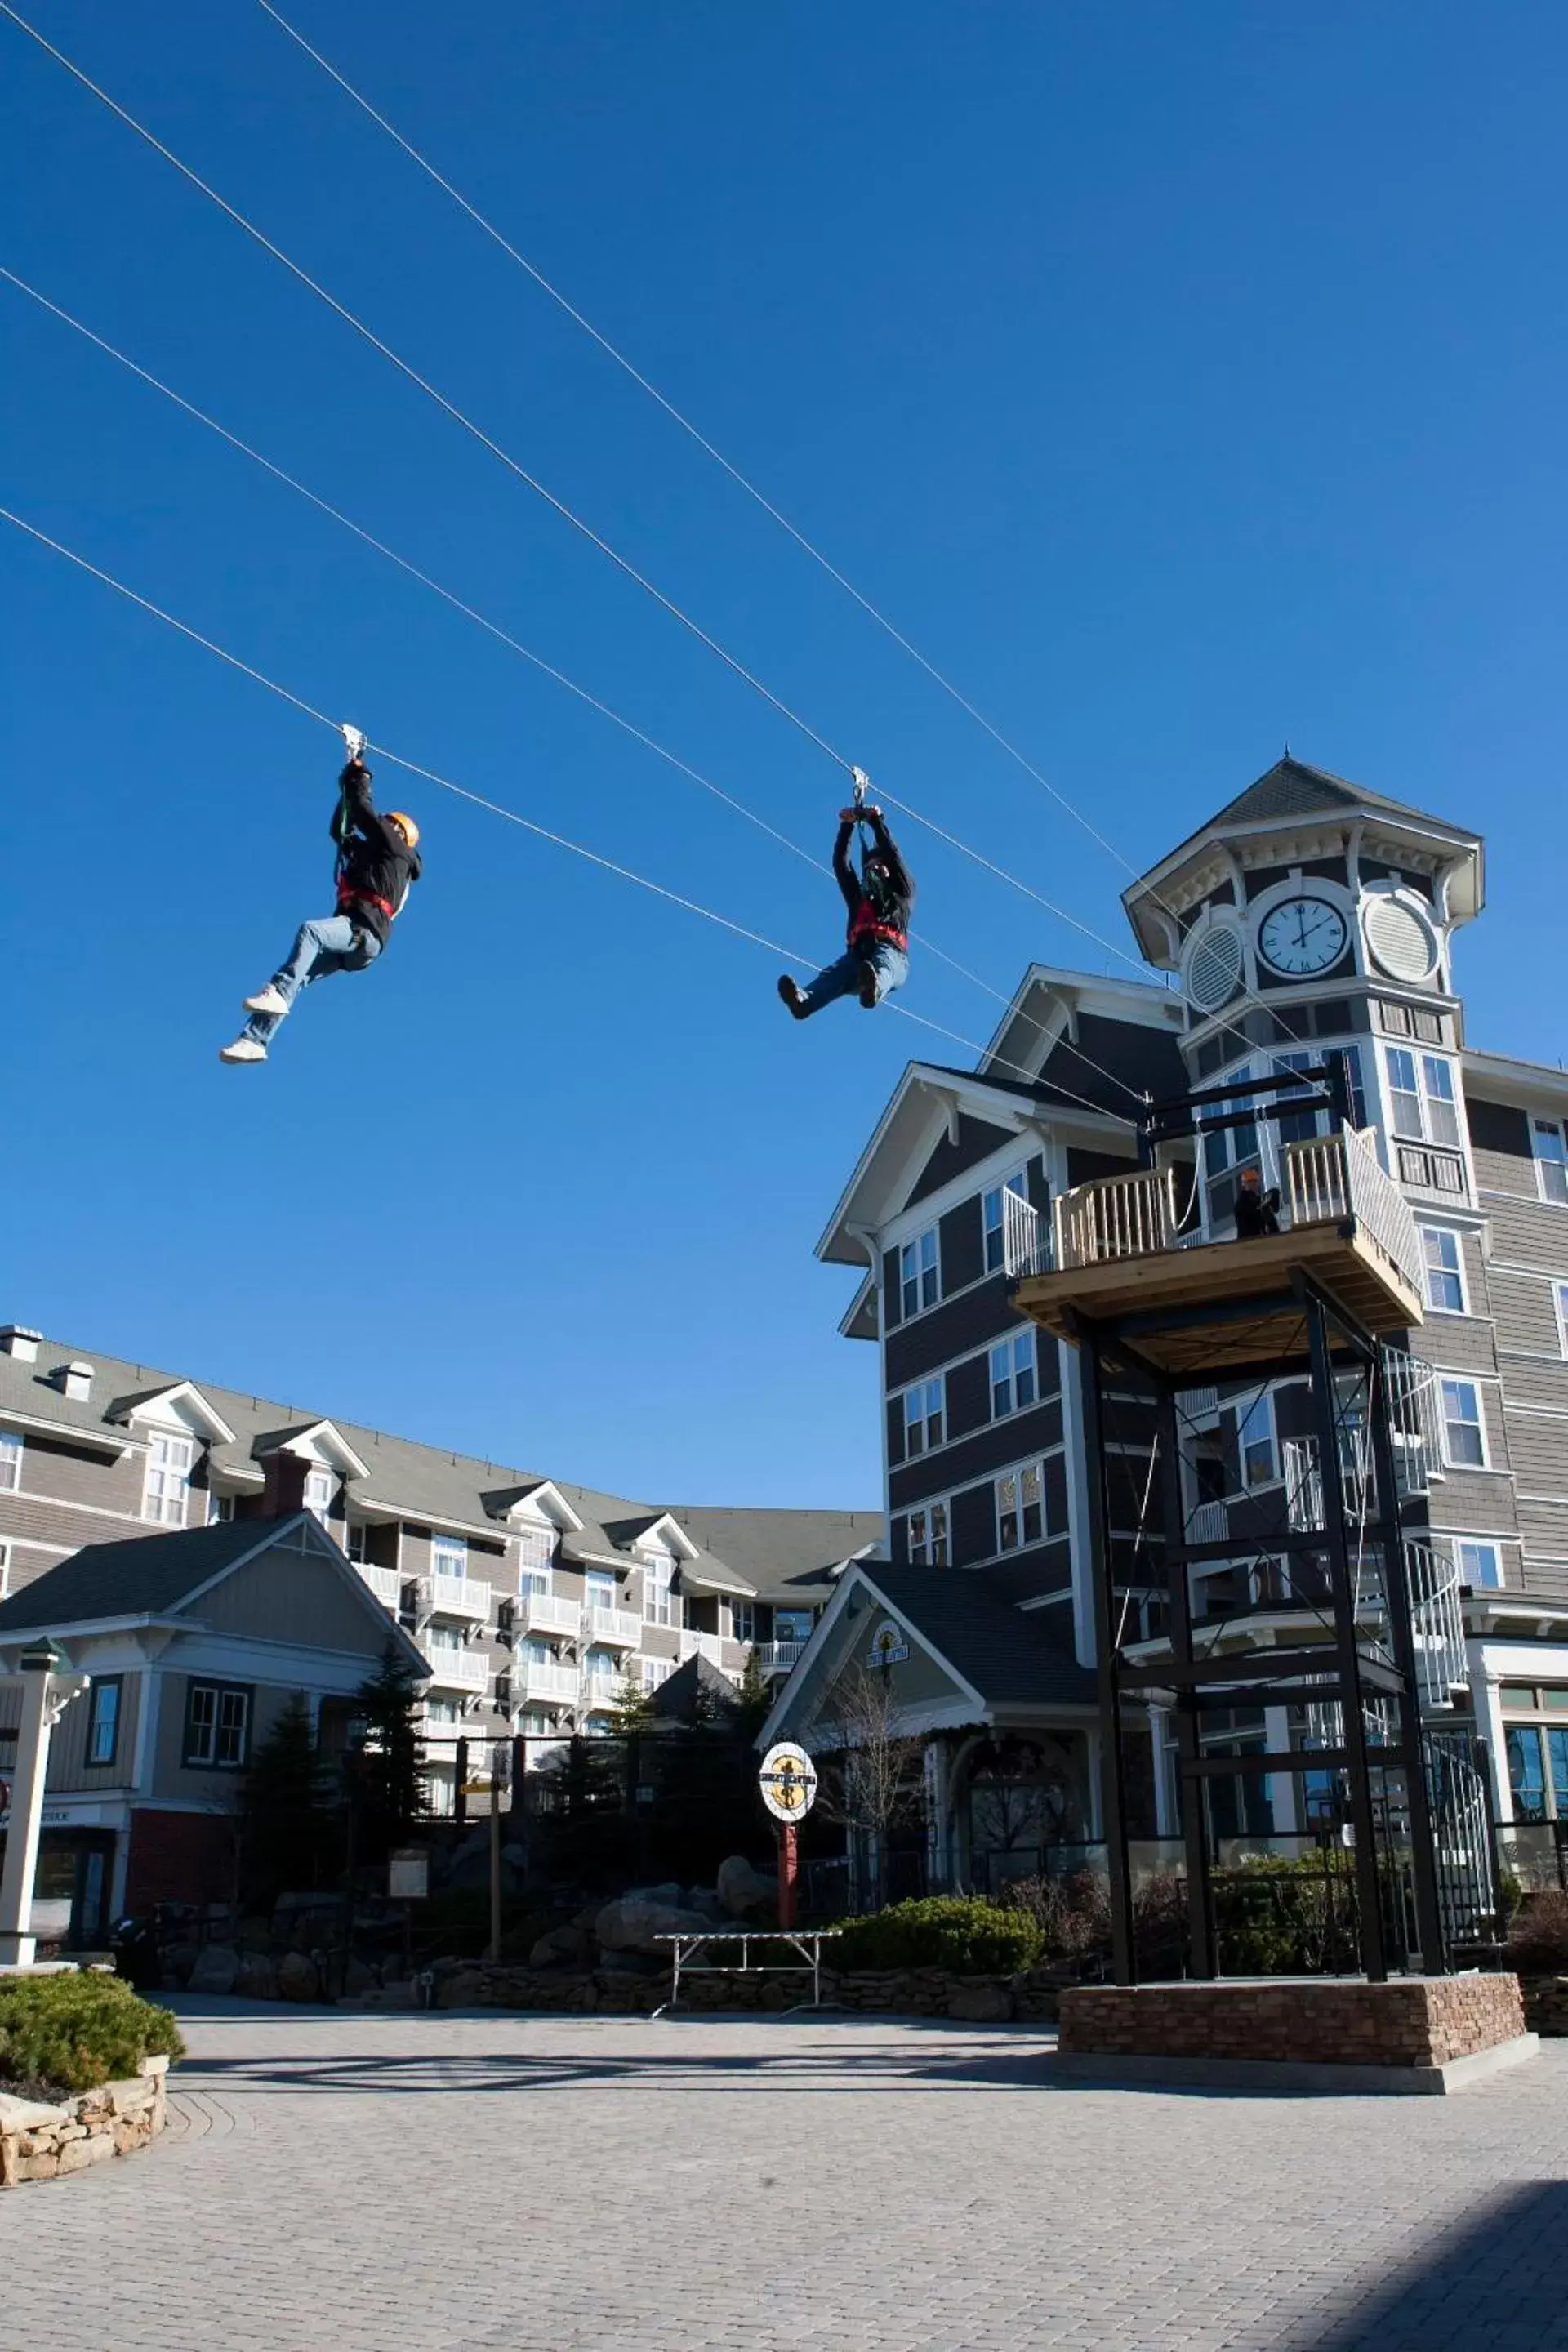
x=376, y=864
x=886, y=905
x=1257, y=1213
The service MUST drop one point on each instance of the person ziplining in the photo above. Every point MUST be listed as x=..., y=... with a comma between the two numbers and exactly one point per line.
x=378, y=858
x=877, y=957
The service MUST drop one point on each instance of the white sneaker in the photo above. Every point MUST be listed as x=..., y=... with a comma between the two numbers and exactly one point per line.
x=244, y=1049
x=267, y=999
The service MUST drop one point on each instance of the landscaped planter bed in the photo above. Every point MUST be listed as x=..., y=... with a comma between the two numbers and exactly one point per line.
x=42, y=2141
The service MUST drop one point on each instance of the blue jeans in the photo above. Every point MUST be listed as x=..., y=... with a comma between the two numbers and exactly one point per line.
x=890, y=964
x=329, y=944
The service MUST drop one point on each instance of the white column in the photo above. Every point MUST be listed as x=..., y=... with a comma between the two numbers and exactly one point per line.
x=46, y=1695
x=939, y=1857
x=1485, y=1690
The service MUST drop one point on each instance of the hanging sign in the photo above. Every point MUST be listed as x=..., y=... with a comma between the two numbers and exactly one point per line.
x=408, y=1874
x=788, y=1781
x=889, y=1646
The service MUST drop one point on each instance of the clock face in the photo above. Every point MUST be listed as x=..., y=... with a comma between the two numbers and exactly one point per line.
x=1300, y=935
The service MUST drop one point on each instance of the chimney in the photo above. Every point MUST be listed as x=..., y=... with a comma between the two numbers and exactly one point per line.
x=17, y=1341
x=74, y=1380
x=283, y=1494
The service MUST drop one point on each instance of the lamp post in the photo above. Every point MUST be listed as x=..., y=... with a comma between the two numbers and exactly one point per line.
x=47, y=1692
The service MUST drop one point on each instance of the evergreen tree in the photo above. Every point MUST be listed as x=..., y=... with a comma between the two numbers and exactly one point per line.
x=388, y=1775
x=753, y=1699
x=632, y=1709
x=289, y=1831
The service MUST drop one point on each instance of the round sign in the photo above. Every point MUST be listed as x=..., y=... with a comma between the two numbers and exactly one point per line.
x=788, y=1781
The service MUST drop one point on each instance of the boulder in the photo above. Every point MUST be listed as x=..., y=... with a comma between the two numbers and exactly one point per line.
x=981, y=2004
x=705, y=1899
x=358, y=1979
x=742, y=1889
x=631, y=1964
x=464, y=1989
x=562, y=1944
x=631, y=1923
x=297, y=1977
x=214, y=1969
x=178, y=1960
x=258, y=1978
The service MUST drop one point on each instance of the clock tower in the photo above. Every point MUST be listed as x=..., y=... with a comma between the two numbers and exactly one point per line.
x=1311, y=916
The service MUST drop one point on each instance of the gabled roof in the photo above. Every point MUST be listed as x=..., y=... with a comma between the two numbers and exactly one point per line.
x=173, y=1394
x=624, y=1533
x=323, y=1436
x=1009, y=1655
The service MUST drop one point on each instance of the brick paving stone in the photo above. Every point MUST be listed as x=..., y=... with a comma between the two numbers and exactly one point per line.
x=401, y=2184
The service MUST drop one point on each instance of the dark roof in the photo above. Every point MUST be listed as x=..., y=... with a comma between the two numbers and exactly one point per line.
x=143, y=1576
x=778, y=1548
x=1013, y=1657
x=675, y=1700
x=1290, y=788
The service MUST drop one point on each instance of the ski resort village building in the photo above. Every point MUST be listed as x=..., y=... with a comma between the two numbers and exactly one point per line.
x=1311, y=924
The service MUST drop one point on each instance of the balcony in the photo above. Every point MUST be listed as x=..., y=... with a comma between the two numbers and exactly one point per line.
x=778, y=1657
x=540, y=1613
x=387, y=1584
x=612, y=1628
x=457, y=1670
x=537, y=1683
x=694, y=1645
x=454, y=1596
x=1118, y=1249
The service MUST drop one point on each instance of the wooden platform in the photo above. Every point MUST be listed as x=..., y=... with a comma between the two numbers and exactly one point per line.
x=1342, y=1260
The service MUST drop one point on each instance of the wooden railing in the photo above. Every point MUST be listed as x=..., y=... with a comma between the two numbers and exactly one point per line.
x=1116, y=1217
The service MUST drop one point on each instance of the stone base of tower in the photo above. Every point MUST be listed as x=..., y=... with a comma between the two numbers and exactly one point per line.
x=1431, y=2034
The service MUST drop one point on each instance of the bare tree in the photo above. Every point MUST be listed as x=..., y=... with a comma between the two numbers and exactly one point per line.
x=872, y=1776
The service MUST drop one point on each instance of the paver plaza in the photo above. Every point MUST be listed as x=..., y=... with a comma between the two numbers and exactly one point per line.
x=371, y=2181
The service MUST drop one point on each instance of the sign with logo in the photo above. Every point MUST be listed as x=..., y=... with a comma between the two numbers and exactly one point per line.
x=788, y=1781
x=889, y=1646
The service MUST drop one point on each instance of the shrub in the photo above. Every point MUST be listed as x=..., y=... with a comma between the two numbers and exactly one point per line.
x=1073, y=1916
x=71, y=2033
x=1278, y=1915
x=1538, y=1936
x=961, y=1932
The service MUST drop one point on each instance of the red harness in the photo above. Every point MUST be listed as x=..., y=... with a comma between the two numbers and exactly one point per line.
x=864, y=925
x=348, y=897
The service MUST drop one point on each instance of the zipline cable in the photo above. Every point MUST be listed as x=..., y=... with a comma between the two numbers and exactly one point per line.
x=760, y=497
x=514, y=467
x=511, y=816
x=515, y=645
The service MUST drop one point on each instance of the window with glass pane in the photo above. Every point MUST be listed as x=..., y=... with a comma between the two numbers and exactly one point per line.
x=1404, y=1092
x=601, y=1668
x=1462, y=1439
x=169, y=1463
x=598, y=1588
x=448, y=1556
x=1442, y=1108
x=217, y=1720
x=1227, y=1147
x=1526, y=1772
x=536, y=1554
x=1479, y=1564
x=1012, y=1375
x=103, y=1721
x=1255, y=1439
x=10, y=1462
x=918, y=1273
x=1020, y=1518
x=742, y=1621
x=1554, y=1739
x=923, y=1415
x=319, y=1486
x=657, y=1598
x=1295, y=1126
x=993, y=1218
x=1444, y=1270
x=1550, y=1159
x=927, y=1536
x=1560, y=1291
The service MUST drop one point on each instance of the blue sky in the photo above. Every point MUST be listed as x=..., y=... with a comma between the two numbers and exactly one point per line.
x=1183, y=380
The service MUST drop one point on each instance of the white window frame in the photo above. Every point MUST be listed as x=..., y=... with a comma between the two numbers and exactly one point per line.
x=1425, y=1095
x=790, y=1610
x=1446, y=1388
x=167, y=1482
x=4, y=1568
x=652, y=1673
x=993, y=1217
x=12, y=1448
x=1461, y=1545
x=1437, y=1274
x=535, y=1573
x=231, y=1700
x=657, y=1588
x=100, y=1686
x=1012, y=1360
x=1557, y=1194
x=321, y=1486
x=1020, y=1507
x=928, y=1534
x=449, y=1555
x=742, y=1621
x=1265, y=1439
x=920, y=1274
x=925, y=1416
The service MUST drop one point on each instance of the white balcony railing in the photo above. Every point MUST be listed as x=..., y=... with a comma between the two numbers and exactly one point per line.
x=1115, y=1217
x=387, y=1584
x=694, y=1645
x=459, y=1670
x=778, y=1657
x=454, y=1596
x=1025, y=1237
x=1437, y=1622
x=1208, y=1523
x=537, y=1682
x=612, y=1628
x=540, y=1613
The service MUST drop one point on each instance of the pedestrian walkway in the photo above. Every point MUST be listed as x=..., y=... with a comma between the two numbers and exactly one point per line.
x=379, y=2183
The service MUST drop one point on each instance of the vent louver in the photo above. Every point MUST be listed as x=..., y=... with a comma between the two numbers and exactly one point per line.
x=1215, y=970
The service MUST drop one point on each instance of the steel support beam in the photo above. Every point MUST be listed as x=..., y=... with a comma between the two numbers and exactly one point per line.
x=1402, y=1631
x=1194, y=1812
x=1112, y=1790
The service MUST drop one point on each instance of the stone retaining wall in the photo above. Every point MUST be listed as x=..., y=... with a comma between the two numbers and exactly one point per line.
x=1546, y=2004
x=905, y=1992
x=1410, y=2022
x=43, y=2143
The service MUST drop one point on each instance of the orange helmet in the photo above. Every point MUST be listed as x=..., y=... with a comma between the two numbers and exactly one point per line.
x=410, y=830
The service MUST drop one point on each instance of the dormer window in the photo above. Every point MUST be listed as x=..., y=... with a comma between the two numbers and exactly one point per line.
x=657, y=1595
x=536, y=1555
x=169, y=1461
x=318, y=1485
